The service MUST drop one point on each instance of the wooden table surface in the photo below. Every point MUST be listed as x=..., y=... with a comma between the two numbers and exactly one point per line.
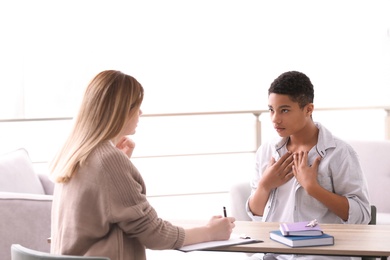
x=350, y=240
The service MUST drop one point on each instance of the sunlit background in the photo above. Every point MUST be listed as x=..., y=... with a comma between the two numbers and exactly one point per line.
x=191, y=56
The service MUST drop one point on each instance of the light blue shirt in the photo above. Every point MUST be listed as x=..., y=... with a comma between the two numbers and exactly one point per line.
x=339, y=172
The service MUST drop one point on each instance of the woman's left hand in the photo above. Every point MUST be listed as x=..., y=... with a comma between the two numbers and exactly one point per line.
x=126, y=145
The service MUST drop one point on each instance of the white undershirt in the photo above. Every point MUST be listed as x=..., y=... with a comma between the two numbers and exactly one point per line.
x=286, y=196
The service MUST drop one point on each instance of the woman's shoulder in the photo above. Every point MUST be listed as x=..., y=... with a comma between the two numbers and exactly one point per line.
x=106, y=149
x=108, y=159
x=108, y=155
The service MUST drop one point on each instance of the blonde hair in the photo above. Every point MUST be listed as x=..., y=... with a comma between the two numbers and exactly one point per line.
x=110, y=98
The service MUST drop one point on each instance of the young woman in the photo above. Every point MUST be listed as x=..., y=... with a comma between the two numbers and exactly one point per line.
x=99, y=205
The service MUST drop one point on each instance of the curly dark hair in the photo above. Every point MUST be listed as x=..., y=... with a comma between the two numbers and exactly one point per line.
x=296, y=85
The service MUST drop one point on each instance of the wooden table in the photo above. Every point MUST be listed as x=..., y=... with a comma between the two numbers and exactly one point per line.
x=350, y=240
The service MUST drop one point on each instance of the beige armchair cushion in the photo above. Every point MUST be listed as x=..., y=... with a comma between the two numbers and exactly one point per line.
x=17, y=173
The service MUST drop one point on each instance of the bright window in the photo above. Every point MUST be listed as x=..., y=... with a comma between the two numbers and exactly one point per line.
x=191, y=55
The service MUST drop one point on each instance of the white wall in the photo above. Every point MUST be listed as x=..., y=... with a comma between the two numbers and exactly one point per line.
x=192, y=55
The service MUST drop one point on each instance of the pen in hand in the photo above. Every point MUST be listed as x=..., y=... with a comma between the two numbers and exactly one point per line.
x=224, y=212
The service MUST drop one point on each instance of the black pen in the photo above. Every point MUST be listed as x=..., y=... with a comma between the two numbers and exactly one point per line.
x=224, y=212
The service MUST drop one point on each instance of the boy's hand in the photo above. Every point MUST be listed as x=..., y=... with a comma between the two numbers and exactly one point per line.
x=305, y=174
x=278, y=173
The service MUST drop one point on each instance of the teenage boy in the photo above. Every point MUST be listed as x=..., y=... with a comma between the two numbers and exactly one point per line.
x=307, y=173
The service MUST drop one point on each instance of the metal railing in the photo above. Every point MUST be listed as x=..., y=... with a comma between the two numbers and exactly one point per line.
x=256, y=113
x=178, y=155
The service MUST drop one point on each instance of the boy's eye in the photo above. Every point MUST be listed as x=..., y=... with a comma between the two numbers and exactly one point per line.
x=285, y=110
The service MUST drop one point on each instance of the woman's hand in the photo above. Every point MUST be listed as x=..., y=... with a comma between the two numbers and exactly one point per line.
x=126, y=145
x=220, y=228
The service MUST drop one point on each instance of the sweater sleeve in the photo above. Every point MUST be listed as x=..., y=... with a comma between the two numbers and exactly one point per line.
x=128, y=206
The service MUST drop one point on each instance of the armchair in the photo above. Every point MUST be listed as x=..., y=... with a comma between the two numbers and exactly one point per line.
x=25, y=204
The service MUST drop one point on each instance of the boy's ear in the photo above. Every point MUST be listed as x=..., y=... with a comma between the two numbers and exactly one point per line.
x=309, y=108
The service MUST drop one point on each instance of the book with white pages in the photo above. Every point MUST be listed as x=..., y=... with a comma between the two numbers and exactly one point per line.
x=304, y=228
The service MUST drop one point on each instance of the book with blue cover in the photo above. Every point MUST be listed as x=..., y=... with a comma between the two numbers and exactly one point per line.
x=302, y=241
x=304, y=228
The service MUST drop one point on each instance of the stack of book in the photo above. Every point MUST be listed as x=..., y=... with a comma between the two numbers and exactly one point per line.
x=300, y=234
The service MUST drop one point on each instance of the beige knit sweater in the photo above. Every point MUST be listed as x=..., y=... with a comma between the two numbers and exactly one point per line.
x=103, y=211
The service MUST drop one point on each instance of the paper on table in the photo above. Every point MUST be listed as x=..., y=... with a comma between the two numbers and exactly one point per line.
x=234, y=240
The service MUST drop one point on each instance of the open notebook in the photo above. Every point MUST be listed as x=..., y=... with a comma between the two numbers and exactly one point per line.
x=234, y=240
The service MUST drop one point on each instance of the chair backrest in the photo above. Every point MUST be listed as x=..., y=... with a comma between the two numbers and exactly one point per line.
x=17, y=173
x=239, y=194
x=374, y=159
x=19, y=252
